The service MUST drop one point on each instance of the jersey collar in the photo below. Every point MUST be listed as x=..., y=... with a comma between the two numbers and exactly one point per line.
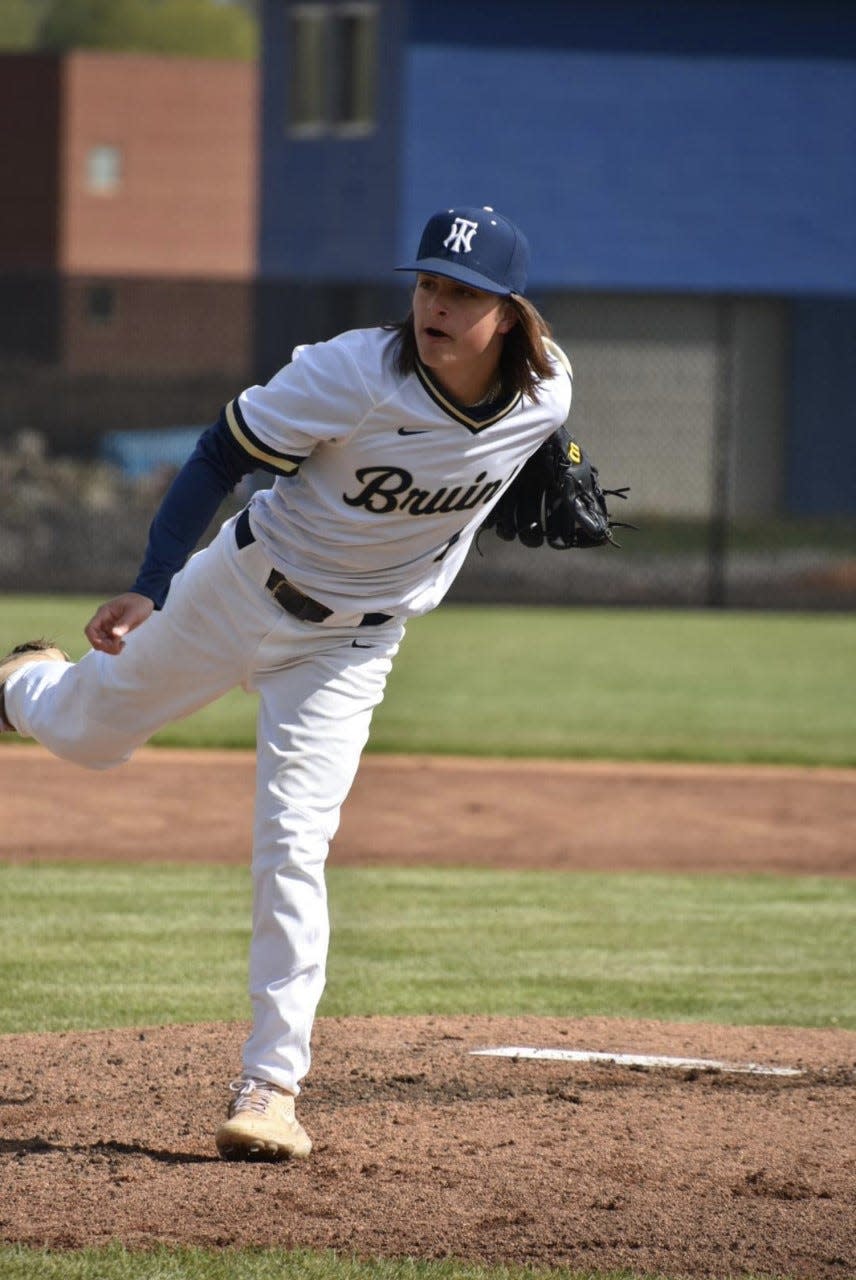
x=474, y=417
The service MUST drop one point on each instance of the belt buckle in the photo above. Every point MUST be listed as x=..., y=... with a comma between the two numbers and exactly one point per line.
x=293, y=601
x=283, y=592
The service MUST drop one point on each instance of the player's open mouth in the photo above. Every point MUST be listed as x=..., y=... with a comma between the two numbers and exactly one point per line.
x=435, y=333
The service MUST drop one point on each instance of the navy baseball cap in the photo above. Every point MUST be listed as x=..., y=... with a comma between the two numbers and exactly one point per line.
x=479, y=247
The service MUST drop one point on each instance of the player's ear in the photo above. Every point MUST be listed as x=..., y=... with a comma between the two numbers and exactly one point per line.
x=507, y=318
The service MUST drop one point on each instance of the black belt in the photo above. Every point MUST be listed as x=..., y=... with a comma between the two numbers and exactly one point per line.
x=287, y=595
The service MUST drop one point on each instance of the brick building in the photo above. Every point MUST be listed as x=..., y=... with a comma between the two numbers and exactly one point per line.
x=127, y=239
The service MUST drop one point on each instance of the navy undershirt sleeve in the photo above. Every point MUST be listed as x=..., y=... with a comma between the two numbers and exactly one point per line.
x=189, y=505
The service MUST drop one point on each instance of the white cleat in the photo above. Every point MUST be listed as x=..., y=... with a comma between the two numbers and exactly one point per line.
x=261, y=1124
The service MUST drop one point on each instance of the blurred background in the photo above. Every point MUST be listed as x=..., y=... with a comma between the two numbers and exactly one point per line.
x=191, y=188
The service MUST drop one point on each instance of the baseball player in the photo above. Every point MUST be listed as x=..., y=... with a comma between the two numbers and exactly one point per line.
x=387, y=449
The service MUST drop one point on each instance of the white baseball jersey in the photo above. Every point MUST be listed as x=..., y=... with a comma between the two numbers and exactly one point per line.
x=383, y=481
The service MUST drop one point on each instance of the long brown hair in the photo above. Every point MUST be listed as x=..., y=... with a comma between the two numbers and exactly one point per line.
x=523, y=363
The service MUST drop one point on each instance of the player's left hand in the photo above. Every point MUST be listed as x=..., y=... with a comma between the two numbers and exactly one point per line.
x=110, y=623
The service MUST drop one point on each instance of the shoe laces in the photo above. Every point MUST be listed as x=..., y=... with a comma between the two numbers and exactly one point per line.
x=251, y=1095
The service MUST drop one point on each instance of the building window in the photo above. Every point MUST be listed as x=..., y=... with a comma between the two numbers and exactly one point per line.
x=104, y=169
x=356, y=33
x=100, y=304
x=307, y=114
x=332, y=73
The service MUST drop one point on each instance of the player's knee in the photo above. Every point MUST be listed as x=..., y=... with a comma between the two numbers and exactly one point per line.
x=96, y=761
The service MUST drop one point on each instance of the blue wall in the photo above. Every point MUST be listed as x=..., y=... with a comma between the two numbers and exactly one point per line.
x=633, y=159
x=328, y=207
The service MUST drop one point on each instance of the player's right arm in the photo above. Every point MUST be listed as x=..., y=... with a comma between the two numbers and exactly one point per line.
x=211, y=472
x=189, y=505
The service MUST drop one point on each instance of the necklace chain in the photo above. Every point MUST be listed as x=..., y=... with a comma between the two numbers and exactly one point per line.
x=492, y=393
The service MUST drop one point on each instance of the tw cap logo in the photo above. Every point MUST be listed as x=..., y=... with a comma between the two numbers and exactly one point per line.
x=459, y=239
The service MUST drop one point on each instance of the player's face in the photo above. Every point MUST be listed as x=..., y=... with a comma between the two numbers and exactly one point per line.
x=459, y=334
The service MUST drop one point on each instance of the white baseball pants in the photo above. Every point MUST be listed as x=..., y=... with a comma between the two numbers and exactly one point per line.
x=318, y=684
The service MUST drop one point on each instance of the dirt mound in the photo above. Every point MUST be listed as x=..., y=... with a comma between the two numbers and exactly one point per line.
x=423, y=1149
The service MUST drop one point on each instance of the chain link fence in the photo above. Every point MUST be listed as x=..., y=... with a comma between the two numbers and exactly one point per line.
x=683, y=398
x=686, y=399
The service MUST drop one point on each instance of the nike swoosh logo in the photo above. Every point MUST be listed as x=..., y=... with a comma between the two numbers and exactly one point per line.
x=413, y=431
x=355, y=644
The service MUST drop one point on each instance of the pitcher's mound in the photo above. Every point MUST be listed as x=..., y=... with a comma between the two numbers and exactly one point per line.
x=424, y=1150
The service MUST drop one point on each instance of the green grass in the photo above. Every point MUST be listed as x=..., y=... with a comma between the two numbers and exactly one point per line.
x=167, y=1263
x=167, y=944
x=616, y=684
x=624, y=684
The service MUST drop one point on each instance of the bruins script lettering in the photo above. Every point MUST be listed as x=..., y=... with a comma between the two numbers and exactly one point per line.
x=386, y=489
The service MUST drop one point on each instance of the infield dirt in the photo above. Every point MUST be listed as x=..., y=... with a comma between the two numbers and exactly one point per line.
x=421, y=1148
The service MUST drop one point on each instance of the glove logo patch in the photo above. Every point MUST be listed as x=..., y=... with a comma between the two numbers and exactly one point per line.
x=574, y=453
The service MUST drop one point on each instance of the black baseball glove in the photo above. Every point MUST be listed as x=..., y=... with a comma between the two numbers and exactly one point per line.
x=556, y=499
